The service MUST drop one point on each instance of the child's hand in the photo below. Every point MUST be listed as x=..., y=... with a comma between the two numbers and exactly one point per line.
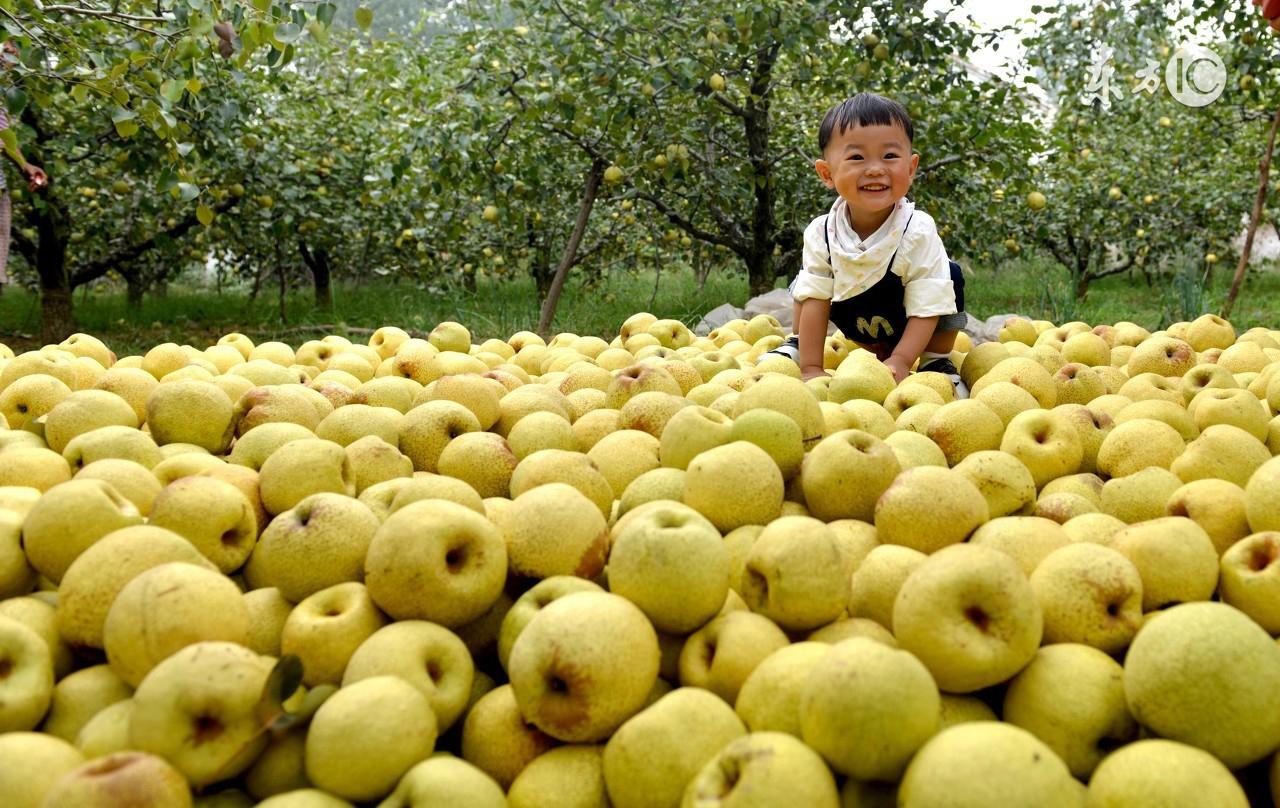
x=899, y=366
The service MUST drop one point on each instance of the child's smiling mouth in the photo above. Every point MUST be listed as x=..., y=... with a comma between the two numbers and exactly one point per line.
x=875, y=187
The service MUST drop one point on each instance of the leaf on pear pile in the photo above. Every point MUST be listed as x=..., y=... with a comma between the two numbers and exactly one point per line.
x=280, y=685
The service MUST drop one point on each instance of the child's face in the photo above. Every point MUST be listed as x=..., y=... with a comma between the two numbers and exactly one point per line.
x=870, y=166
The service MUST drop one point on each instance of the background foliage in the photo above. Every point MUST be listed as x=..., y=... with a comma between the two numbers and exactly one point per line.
x=450, y=147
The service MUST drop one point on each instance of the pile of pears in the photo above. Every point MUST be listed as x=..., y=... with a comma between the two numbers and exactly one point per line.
x=657, y=570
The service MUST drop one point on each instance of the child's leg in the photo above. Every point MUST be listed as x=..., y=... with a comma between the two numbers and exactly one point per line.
x=795, y=317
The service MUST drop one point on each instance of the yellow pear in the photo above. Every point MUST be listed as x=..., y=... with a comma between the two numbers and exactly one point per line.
x=867, y=708
x=1174, y=556
x=326, y=628
x=844, y=475
x=211, y=514
x=69, y=519
x=770, y=697
x=652, y=757
x=1071, y=697
x=1250, y=579
x=497, y=739
x=143, y=779
x=943, y=499
x=166, y=608
x=34, y=763
x=722, y=654
x=27, y=688
x=983, y=763
x=198, y=710
x=793, y=574
x=763, y=768
x=1206, y=675
x=367, y=735
x=1164, y=772
x=427, y=656
x=446, y=780
x=970, y=615
x=320, y=542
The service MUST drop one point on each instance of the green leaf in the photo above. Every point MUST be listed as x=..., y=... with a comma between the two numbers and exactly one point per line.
x=15, y=100
x=262, y=5
x=80, y=93
x=126, y=128
x=325, y=12
x=187, y=191
x=364, y=17
x=204, y=215
x=287, y=33
x=280, y=685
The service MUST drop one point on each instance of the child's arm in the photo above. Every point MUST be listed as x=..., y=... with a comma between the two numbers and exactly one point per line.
x=914, y=339
x=812, y=330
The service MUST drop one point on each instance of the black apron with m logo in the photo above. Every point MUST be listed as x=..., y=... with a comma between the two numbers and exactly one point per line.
x=878, y=316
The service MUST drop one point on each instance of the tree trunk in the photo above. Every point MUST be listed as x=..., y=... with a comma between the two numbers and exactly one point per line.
x=134, y=291
x=592, y=187
x=56, y=313
x=1264, y=177
x=1082, y=285
x=317, y=261
x=59, y=320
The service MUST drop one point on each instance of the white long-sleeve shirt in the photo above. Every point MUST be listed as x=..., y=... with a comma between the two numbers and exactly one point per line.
x=856, y=264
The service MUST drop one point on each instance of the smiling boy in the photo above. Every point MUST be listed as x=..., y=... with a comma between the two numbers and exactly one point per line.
x=874, y=264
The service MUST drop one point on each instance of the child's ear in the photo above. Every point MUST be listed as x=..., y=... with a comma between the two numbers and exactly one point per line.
x=915, y=163
x=824, y=172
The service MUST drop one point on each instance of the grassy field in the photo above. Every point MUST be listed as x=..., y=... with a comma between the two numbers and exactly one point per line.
x=1027, y=286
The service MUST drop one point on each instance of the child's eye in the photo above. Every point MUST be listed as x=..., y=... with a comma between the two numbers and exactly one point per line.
x=890, y=156
x=855, y=157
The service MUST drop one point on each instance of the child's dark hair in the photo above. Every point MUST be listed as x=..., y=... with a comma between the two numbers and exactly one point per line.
x=863, y=109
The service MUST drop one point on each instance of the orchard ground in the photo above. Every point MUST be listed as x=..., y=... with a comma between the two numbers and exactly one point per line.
x=1028, y=285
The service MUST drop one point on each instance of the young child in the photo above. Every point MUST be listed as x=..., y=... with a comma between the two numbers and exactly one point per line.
x=874, y=265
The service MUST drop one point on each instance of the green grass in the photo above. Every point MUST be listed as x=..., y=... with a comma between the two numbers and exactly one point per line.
x=1029, y=286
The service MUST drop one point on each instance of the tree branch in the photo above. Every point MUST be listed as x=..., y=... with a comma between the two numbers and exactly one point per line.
x=107, y=13
x=102, y=266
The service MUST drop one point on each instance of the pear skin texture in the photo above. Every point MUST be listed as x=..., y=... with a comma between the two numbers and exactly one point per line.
x=1166, y=772
x=672, y=563
x=1223, y=693
x=570, y=776
x=34, y=762
x=325, y=630
x=167, y=608
x=429, y=657
x=983, y=763
x=763, y=768
x=365, y=737
x=146, y=778
x=93, y=580
x=78, y=697
x=497, y=739
x=446, y=780
x=1071, y=697
x=68, y=519
x=970, y=615
x=1089, y=594
x=584, y=665
x=436, y=560
x=197, y=710
x=653, y=756
x=867, y=708
x=27, y=689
